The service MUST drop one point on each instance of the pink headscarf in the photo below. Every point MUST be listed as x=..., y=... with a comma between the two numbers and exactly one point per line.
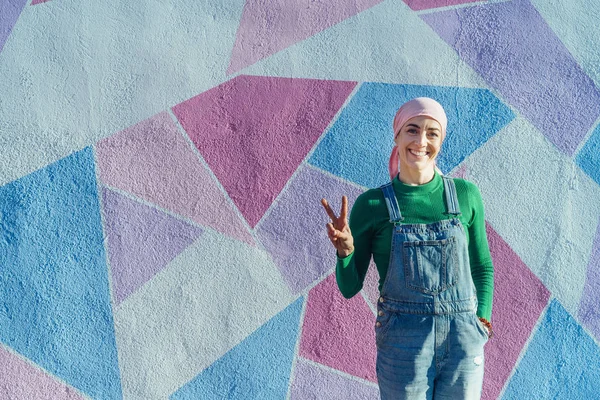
x=414, y=108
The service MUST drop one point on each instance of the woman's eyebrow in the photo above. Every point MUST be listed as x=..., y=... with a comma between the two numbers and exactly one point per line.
x=413, y=125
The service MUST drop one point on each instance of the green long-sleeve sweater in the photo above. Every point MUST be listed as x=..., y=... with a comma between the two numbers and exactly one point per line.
x=423, y=204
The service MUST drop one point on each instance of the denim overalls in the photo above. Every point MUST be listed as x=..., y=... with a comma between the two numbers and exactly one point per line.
x=429, y=339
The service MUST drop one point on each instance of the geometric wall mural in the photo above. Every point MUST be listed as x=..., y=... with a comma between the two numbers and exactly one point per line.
x=162, y=167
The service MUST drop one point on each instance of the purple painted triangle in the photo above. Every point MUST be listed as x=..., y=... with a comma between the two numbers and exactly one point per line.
x=9, y=13
x=254, y=131
x=512, y=47
x=268, y=27
x=141, y=241
x=316, y=382
x=589, y=307
x=303, y=258
x=34, y=2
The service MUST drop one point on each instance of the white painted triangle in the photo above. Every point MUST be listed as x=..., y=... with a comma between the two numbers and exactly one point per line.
x=208, y=299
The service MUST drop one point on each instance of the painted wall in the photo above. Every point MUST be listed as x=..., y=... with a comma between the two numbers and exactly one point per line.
x=161, y=165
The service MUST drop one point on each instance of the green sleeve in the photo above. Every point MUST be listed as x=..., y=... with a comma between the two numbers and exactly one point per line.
x=482, y=269
x=350, y=271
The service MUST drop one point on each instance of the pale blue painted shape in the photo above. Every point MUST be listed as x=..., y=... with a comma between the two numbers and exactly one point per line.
x=561, y=362
x=588, y=157
x=74, y=72
x=257, y=368
x=358, y=145
x=54, y=292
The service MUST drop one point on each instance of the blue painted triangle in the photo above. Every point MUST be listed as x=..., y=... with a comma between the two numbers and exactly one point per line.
x=358, y=145
x=561, y=362
x=54, y=287
x=257, y=368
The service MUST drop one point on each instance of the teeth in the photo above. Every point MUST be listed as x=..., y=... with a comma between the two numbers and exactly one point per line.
x=418, y=153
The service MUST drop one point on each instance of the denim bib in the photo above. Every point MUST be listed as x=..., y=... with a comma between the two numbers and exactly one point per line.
x=429, y=270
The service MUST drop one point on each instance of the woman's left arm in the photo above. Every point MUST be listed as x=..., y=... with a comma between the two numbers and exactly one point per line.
x=482, y=269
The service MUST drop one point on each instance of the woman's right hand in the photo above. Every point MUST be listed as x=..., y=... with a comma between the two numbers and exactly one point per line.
x=338, y=229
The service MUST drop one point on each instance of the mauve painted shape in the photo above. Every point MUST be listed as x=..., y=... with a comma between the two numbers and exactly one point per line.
x=21, y=380
x=141, y=241
x=268, y=27
x=9, y=13
x=313, y=382
x=427, y=4
x=517, y=53
x=589, y=308
x=371, y=284
x=34, y=2
x=254, y=131
x=294, y=231
x=519, y=299
x=153, y=160
x=339, y=332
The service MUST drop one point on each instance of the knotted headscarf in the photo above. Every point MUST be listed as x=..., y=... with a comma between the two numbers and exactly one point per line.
x=415, y=108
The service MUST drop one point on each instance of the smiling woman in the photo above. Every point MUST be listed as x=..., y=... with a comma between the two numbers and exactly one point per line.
x=426, y=235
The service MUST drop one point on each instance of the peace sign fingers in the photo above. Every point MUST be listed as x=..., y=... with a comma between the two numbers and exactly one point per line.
x=338, y=229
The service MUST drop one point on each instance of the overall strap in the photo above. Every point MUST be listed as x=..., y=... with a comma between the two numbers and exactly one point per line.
x=392, y=203
x=451, y=197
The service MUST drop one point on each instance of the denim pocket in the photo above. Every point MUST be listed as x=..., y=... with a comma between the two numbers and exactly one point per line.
x=480, y=327
x=429, y=265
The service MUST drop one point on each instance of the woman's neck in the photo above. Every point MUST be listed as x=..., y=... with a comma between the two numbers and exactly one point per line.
x=416, y=177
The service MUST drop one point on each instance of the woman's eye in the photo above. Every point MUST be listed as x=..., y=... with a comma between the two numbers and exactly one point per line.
x=412, y=131
x=433, y=134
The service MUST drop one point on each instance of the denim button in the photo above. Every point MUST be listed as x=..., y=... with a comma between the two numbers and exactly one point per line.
x=378, y=324
x=380, y=313
x=381, y=299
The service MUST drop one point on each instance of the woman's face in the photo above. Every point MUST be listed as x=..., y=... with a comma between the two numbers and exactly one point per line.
x=419, y=142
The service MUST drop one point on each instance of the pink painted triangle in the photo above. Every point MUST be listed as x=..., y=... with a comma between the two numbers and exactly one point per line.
x=460, y=172
x=141, y=241
x=418, y=5
x=338, y=332
x=154, y=161
x=254, y=131
x=519, y=299
x=268, y=27
x=21, y=380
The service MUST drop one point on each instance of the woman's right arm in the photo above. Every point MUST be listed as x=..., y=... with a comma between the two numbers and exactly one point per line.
x=353, y=253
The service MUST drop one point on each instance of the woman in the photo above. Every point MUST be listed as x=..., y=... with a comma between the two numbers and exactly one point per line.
x=426, y=234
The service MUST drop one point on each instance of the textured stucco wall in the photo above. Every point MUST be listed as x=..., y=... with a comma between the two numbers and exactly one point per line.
x=161, y=165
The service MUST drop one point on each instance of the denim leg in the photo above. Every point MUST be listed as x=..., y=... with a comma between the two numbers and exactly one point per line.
x=405, y=358
x=461, y=374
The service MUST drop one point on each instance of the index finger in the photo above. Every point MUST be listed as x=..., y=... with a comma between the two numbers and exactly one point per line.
x=328, y=209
